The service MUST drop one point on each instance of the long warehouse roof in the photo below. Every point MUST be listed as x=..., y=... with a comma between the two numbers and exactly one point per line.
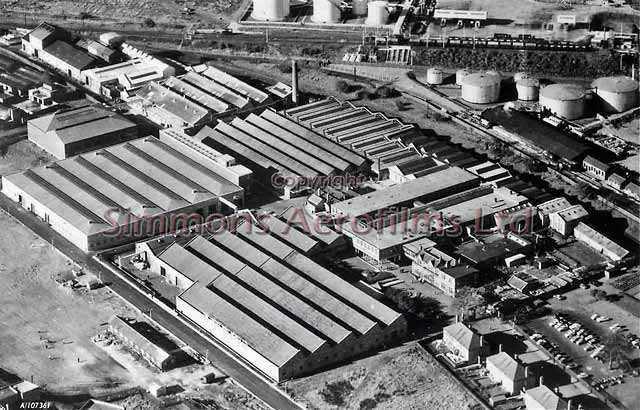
x=272, y=297
x=141, y=177
x=404, y=192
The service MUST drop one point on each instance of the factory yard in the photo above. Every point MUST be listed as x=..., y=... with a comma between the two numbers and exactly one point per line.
x=403, y=378
x=38, y=313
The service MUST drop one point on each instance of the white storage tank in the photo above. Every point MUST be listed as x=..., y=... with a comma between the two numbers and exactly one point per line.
x=270, y=10
x=325, y=11
x=461, y=74
x=615, y=94
x=564, y=100
x=377, y=14
x=434, y=76
x=359, y=7
x=481, y=88
x=528, y=89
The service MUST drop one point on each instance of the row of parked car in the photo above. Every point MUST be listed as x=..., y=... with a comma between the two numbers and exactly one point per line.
x=602, y=384
x=578, y=334
x=554, y=349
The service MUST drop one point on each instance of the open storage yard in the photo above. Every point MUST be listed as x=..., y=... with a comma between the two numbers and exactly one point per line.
x=404, y=378
x=46, y=329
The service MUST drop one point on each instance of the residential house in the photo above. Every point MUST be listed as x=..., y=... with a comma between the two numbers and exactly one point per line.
x=463, y=341
x=507, y=371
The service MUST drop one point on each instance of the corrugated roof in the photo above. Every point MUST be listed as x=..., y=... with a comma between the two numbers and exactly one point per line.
x=84, y=188
x=317, y=152
x=314, y=138
x=407, y=191
x=174, y=103
x=281, y=144
x=196, y=94
x=235, y=84
x=218, y=90
x=255, y=281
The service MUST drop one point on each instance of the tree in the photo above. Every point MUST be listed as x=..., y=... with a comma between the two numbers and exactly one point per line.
x=415, y=304
x=467, y=299
x=149, y=23
x=335, y=393
x=617, y=346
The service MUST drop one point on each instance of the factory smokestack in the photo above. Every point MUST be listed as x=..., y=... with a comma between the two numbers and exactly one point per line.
x=294, y=82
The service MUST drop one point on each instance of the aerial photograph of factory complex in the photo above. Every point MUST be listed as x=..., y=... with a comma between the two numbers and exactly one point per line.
x=320, y=204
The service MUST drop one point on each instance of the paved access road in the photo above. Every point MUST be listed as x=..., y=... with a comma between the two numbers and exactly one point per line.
x=256, y=385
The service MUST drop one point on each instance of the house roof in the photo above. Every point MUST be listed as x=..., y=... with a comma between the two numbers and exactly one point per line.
x=70, y=55
x=460, y=271
x=464, y=335
x=507, y=365
x=43, y=31
x=616, y=179
x=545, y=398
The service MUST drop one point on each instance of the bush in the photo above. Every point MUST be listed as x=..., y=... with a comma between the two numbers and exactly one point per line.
x=386, y=91
x=368, y=404
x=149, y=23
x=336, y=392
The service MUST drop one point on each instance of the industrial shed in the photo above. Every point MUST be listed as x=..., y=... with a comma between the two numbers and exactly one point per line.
x=114, y=195
x=71, y=132
x=270, y=304
x=138, y=341
x=271, y=144
x=370, y=134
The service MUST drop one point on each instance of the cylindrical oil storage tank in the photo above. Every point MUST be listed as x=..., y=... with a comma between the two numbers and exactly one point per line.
x=564, y=100
x=481, y=88
x=461, y=74
x=615, y=94
x=434, y=76
x=325, y=11
x=270, y=10
x=359, y=7
x=495, y=74
x=377, y=13
x=528, y=89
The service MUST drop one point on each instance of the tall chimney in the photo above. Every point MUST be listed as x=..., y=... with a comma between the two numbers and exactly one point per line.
x=481, y=340
x=569, y=404
x=500, y=348
x=294, y=82
x=541, y=380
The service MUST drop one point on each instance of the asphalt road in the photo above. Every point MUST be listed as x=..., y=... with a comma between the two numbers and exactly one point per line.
x=260, y=388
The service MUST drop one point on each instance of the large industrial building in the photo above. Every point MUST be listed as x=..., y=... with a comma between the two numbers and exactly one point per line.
x=270, y=304
x=124, y=192
x=196, y=99
x=71, y=132
x=386, y=142
x=271, y=144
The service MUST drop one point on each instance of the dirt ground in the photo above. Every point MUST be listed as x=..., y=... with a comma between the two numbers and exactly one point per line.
x=127, y=14
x=22, y=155
x=37, y=312
x=403, y=378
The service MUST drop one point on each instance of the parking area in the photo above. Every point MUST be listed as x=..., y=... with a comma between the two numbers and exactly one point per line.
x=578, y=335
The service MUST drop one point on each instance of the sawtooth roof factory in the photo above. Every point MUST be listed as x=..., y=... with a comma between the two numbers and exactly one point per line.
x=95, y=199
x=270, y=304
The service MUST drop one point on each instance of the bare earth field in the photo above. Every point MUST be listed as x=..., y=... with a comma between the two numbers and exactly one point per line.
x=108, y=12
x=36, y=312
x=403, y=378
x=22, y=155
